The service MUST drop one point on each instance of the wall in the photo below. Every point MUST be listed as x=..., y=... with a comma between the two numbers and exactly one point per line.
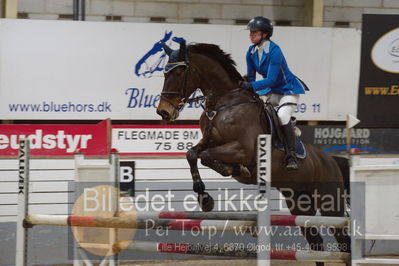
x=174, y=11
x=346, y=13
x=351, y=10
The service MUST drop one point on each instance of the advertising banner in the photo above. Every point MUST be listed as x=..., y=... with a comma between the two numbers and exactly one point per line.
x=93, y=70
x=155, y=140
x=55, y=140
x=364, y=140
x=149, y=140
x=379, y=72
x=170, y=140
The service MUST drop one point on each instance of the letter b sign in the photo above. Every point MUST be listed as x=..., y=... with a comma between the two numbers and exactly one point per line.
x=127, y=177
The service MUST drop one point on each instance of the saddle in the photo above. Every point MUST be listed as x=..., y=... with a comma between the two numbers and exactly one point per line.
x=277, y=134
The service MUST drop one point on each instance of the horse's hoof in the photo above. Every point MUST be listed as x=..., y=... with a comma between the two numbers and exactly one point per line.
x=245, y=171
x=206, y=202
x=198, y=187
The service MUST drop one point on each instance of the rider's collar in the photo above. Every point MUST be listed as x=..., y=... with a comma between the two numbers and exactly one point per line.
x=171, y=66
x=265, y=46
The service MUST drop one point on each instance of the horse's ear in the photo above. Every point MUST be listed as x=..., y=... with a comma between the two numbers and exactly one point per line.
x=166, y=48
x=183, y=51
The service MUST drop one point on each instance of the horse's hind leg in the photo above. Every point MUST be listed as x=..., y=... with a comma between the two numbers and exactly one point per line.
x=343, y=239
x=311, y=234
x=340, y=234
x=204, y=199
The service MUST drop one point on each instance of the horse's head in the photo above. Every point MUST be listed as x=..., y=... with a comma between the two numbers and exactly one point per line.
x=177, y=86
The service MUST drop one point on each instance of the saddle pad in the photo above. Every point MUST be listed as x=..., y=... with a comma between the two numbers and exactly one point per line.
x=300, y=148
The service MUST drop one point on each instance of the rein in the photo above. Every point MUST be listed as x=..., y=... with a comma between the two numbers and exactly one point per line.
x=184, y=97
x=182, y=93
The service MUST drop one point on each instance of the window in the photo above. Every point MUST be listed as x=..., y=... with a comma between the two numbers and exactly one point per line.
x=157, y=19
x=283, y=23
x=201, y=20
x=113, y=18
x=341, y=24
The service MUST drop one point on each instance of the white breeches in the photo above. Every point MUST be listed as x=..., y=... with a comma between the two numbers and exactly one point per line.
x=284, y=113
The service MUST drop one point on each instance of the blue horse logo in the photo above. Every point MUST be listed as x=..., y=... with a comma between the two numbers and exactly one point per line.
x=153, y=62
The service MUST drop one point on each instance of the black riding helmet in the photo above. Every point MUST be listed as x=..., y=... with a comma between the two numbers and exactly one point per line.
x=262, y=24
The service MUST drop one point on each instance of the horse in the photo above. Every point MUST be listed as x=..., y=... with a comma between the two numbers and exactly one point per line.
x=231, y=121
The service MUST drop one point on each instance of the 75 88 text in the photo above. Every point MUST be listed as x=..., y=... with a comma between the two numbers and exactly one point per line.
x=167, y=146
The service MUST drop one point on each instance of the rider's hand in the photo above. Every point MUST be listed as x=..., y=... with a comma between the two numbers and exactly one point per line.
x=245, y=85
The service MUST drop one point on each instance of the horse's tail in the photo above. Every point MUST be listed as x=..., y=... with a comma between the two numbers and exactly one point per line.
x=343, y=164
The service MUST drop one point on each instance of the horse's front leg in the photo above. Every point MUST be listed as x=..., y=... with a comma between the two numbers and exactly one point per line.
x=204, y=199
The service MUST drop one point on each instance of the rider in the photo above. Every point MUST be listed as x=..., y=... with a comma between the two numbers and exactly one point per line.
x=266, y=58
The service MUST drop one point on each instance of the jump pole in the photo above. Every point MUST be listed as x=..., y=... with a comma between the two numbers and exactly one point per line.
x=131, y=222
x=144, y=220
x=287, y=220
x=23, y=196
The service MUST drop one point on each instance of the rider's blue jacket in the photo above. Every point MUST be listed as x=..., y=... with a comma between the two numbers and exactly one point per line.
x=277, y=78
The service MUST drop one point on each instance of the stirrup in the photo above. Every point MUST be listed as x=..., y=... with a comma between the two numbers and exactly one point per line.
x=291, y=164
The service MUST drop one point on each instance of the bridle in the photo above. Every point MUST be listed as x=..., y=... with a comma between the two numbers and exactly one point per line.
x=182, y=92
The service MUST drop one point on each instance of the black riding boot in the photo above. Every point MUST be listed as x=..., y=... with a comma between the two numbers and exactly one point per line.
x=290, y=149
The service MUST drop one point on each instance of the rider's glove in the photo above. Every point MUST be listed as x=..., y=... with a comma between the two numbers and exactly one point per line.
x=245, y=85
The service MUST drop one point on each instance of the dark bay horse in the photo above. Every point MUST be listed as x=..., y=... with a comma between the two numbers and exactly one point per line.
x=230, y=123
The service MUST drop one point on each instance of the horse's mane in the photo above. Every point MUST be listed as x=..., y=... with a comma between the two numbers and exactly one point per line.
x=214, y=52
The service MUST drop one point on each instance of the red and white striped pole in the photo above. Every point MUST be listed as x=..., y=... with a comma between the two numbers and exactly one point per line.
x=153, y=222
x=287, y=220
x=131, y=222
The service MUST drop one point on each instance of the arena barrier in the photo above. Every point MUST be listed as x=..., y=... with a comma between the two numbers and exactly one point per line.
x=182, y=221
x=375, y=209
